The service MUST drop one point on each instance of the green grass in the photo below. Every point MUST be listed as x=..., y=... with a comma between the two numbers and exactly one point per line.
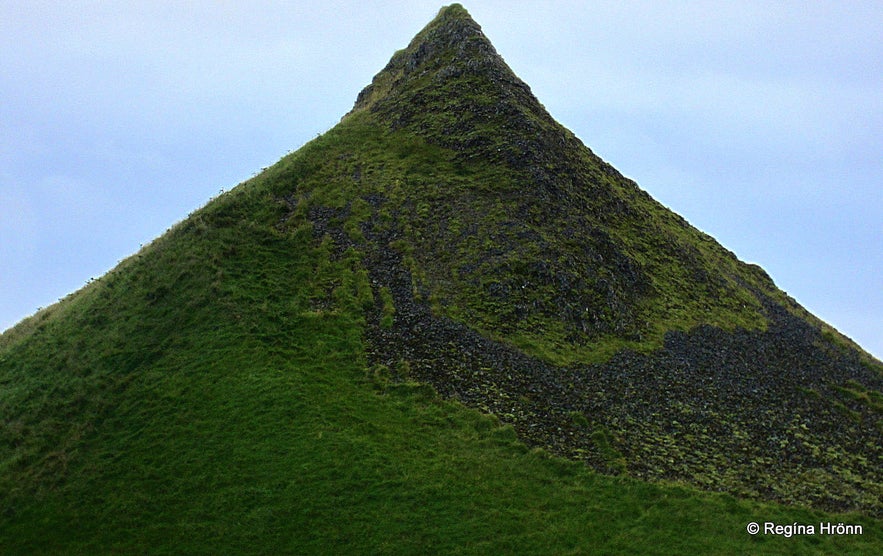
x=211, y=396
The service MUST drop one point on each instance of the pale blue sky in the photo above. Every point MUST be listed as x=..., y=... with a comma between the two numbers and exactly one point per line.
x=759, y=122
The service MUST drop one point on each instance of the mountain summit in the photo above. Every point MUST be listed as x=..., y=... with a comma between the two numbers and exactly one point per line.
x=451, y=87
x=451, y=68
x=297, y=354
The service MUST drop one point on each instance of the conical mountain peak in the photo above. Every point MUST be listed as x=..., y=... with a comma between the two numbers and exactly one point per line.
x=450, y=86
x=451, y=43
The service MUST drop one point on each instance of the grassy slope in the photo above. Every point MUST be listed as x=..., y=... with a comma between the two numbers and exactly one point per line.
x=210, y=396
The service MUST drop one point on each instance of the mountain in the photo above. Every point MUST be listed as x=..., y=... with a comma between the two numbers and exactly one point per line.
x=445, y=323
x=593, y=309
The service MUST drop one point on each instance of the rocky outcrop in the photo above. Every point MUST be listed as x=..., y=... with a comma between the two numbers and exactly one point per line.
x=774, y=414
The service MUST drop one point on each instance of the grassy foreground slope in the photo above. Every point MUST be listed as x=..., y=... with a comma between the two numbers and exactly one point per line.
x=211, y=396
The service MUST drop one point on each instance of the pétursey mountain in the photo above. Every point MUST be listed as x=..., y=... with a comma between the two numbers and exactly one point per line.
x=447, y=243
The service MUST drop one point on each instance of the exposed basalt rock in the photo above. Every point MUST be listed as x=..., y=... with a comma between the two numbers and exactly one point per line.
x=747, y=412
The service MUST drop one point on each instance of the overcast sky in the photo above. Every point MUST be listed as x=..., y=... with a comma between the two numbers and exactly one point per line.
x=759, y=122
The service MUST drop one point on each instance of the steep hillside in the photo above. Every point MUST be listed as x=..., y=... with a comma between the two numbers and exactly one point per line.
x=296, y=367
x=532, y=280
x=212, y=395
